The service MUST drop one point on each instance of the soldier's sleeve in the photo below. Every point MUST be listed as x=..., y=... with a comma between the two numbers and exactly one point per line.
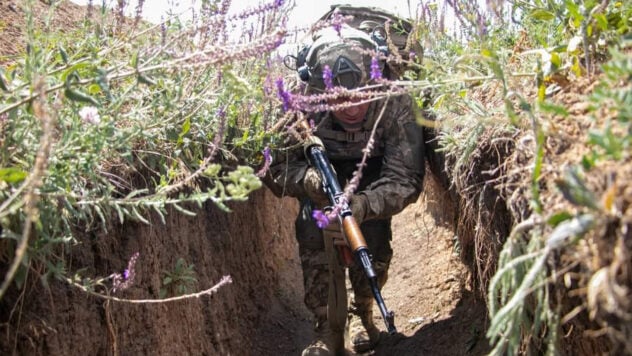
x=402, y=173
x=286, y=173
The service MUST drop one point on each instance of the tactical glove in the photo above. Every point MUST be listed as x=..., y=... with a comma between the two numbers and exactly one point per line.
x=358, y=207
x=313, y=185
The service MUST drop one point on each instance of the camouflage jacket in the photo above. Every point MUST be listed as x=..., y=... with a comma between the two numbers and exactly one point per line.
x=394, y=173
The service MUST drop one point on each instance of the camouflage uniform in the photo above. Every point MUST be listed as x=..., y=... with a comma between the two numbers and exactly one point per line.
x=391, y=180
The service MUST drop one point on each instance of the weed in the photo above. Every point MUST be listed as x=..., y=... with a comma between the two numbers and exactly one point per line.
x=180, y=281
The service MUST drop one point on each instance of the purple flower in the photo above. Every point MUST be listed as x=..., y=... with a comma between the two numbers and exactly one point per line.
x=267, y=160
x=285, y=96
x=267, y=86
x=321, y=219
x=328, y=77
x=221, y=112
x=376, y=72
x=163, y=32
x=124, y=281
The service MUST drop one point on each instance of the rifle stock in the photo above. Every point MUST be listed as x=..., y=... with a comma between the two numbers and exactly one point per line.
x=355, y=241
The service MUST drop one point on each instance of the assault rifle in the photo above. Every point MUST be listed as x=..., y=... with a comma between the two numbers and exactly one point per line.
x=355, y=242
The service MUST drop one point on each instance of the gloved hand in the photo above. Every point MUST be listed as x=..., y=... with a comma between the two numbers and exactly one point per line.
x=358, y=207
x=313, y=185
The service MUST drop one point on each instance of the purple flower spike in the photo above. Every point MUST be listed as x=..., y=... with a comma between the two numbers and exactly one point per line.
x=321, y=219
x=376, y=72
x=267, y=160
x=328, y=77
x=126, y=279
x=285, y=97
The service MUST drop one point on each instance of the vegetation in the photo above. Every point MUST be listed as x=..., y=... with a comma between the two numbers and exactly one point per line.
x=118, y=119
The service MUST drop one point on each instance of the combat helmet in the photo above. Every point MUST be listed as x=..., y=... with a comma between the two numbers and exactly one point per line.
x=348, y=53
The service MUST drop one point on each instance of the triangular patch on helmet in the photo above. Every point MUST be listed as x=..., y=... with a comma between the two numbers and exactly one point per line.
x=344, y=64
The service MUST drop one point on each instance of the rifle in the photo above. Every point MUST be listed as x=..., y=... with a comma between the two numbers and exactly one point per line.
x=355, y=242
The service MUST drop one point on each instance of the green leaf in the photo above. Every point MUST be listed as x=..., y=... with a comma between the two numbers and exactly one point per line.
x=602, y=21
x=588, y=162
x=3, y=83
x=144, y=79
x=134, y=60
x=567, y=230
x=541, y=14
x=79, y=96
x=183, y=210
x=573, y=188
x=556, y=60
x=71, y=73
x=186, y=127
x=94, y=89
x=558, y=218
x=64, y=54
x=574, y=10
x=12, y=175
x=213, y=170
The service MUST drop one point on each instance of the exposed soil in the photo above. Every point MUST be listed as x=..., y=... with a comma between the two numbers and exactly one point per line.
x=12, y=23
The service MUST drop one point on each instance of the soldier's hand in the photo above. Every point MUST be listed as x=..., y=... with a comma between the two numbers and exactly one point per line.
x=313, y=185
x=358, y=207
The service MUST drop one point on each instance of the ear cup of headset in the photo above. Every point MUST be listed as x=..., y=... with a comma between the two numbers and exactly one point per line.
x=379, y=37
x=301, y=63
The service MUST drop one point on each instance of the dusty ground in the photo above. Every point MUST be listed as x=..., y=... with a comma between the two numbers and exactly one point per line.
x=436, y=314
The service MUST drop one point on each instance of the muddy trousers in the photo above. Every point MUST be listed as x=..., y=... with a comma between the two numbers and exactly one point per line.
x=314, y=262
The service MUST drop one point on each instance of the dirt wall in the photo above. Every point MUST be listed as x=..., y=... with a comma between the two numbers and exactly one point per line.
x=254, y=245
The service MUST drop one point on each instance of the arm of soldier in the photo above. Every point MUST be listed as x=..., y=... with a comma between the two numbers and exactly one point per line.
x=286, y=173
x=292, y=176
x=402, y=173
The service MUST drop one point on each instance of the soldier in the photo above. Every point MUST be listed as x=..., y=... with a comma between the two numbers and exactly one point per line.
x=391, y=180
